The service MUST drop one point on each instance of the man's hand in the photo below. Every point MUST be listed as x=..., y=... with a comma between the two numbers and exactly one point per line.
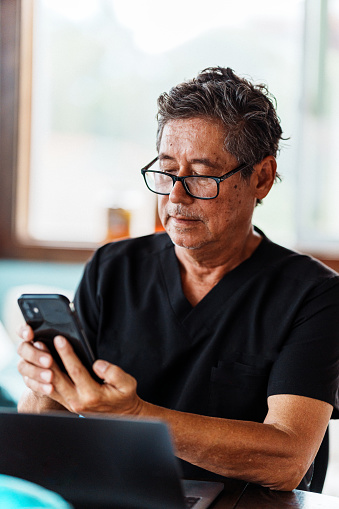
x=35, y=355
x=78, y=392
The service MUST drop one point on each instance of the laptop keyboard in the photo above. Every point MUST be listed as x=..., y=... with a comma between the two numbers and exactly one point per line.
x=191, y=501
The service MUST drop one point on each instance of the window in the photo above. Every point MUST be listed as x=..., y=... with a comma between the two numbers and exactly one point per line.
x=91, y=71
x=318, y=176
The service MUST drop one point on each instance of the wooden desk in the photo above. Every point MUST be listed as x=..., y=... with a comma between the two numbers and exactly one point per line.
x=239, y=495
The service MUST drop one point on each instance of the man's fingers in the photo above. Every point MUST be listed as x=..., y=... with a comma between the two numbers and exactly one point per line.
x=78, y=392
x=115, y=376
x=30, y=371
x=35, y=365
x=44, y=389
x=37, y=356
x=26, y=333
x=74, y=367
x=40, y=346
x=120, y=389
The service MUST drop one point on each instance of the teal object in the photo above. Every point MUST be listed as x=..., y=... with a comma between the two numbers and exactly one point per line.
x=17, y=493
x=6, y=400
x=17, y=272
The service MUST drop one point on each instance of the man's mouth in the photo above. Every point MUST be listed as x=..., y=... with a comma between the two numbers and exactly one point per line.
x=183, y=220
x=180, y=217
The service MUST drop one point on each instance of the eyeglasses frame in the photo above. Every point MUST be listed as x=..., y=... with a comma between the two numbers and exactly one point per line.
x=175, y=178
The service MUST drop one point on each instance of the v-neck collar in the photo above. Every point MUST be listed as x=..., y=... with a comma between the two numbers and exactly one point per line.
x=202, y=315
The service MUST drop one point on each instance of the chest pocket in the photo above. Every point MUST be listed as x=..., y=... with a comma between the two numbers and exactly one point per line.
x=238, y=391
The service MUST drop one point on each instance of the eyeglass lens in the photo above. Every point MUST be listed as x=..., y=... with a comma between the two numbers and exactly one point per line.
x=201, y=187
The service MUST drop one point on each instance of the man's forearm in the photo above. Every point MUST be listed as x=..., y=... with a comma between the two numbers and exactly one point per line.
x=30, y=402
x=259, y=453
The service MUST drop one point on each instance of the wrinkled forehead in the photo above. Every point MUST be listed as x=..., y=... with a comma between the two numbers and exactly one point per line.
x=192, y=127
x=194, y=137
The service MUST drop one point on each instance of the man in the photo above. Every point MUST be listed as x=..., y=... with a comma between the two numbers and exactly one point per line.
x=229, y=338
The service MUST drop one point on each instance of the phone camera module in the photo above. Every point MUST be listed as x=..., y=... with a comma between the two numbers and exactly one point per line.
x=29, y=314
x=32, y=311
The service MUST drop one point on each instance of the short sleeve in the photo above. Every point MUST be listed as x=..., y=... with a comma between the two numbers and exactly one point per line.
x=308, y=364
x=86, y=301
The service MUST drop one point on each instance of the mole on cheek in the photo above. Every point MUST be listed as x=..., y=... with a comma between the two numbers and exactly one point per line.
x=236, y=187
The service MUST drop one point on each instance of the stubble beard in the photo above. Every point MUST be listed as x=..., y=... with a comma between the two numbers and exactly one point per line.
x=184, y=232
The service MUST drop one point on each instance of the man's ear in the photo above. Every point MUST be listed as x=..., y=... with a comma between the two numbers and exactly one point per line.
x=264, y=175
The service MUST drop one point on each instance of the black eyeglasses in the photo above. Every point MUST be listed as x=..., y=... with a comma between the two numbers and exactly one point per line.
x=197, y=186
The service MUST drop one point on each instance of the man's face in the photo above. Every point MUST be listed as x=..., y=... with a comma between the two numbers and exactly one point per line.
x=195, y=146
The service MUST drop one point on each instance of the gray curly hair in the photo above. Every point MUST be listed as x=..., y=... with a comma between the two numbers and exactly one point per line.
x=247, y=112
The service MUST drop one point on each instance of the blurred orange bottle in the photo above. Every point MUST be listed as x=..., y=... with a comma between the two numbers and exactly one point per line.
x=118, y=224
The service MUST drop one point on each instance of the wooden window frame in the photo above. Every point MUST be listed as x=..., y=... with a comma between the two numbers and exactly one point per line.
x=15, y=100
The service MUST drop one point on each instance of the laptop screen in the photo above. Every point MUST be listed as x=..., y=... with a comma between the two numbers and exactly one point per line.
x=93, y=462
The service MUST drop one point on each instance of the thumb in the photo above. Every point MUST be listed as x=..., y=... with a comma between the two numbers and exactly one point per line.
x=100, y=367
x=114, y=375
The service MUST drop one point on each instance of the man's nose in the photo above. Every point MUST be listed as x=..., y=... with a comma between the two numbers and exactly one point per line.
x=179, y=195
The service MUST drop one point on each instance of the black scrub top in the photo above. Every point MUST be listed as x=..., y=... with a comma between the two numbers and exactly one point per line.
x=270, y=326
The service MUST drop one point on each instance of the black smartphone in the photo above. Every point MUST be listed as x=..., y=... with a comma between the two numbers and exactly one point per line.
x=51, y=315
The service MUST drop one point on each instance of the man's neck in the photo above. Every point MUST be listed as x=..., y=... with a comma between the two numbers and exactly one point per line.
x=202, y=269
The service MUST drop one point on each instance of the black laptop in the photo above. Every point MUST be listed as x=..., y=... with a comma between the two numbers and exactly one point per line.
x=99, y=462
